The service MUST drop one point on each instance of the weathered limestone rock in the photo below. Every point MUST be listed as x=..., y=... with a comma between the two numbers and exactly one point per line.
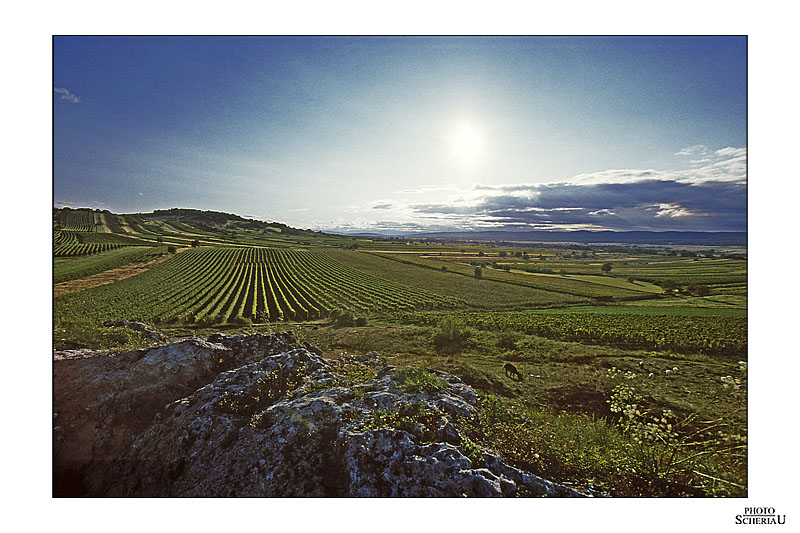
x=261, y=415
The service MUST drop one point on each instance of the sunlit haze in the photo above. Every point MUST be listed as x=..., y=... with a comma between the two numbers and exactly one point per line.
x=405, y=134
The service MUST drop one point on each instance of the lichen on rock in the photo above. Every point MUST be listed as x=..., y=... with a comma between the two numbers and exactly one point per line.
x=261, y=415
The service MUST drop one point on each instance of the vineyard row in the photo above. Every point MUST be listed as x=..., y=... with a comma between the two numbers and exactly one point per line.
x=712, y=335
x=224, y=285
x=75, y=248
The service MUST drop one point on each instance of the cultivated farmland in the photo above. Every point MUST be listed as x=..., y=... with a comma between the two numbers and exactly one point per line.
x=588, y=328
x=226, y=284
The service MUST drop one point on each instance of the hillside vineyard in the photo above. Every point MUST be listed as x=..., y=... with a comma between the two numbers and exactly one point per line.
x=219, y=285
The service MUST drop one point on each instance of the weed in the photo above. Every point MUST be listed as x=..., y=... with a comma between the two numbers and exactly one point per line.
x=416, y=419
x=418, y=379
x=250, y=401
x=558, y=446
x=686, y=451
x=70, y=334
x=473, y=452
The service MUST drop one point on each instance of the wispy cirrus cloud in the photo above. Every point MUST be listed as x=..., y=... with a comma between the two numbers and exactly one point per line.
x=67, y=95
x=427, y=189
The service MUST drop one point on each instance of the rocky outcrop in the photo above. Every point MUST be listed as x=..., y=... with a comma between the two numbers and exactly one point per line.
x=265, y=416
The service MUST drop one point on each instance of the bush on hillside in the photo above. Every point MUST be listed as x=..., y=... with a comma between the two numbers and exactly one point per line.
x=452, y=337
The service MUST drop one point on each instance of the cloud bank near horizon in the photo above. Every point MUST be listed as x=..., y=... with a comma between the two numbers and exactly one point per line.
x=709, y=195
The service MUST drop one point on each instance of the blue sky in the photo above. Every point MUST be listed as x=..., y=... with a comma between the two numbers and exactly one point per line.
x=408, y=133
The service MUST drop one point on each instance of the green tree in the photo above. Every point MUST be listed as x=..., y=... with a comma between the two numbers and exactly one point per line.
x=668, y=285
x=606, y=268
x=701, y=290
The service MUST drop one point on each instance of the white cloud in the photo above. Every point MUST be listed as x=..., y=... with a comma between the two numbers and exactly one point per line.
x=710, y=196
x=724, y=165
x=66, y=95
x=693, y=151
x=80, y=204
x=618, y=176
x=382, y=204
x=672, y=211
x=428, y=189
x=730, y=151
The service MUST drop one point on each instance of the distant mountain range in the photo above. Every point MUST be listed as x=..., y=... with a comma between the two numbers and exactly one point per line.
x=682, y=238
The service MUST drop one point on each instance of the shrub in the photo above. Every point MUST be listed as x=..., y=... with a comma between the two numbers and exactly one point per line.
x=668, y=285
x=452, y=336
x=206, y=321
x=508, y=340
x=700, y=290
x=418, y=379
x=344, y=319
x=242, y=321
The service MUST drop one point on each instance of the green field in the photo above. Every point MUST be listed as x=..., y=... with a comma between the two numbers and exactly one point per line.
x=220, y=285
x=724, y=336
x=66, y=269
x=669, y=324
x=483, y=293
x=582, y=286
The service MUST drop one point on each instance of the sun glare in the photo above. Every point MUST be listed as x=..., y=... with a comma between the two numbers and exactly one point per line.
x=467, y=143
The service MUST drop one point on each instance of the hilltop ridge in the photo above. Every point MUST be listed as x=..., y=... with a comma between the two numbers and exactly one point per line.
x=221, y=222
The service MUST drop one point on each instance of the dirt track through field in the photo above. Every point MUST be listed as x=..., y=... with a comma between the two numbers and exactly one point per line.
x=109, y=276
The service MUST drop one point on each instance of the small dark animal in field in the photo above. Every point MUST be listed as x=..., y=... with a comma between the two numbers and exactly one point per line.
x=512, y=371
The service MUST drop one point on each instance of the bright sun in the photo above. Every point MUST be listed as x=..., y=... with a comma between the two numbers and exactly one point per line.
x=467, y=143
